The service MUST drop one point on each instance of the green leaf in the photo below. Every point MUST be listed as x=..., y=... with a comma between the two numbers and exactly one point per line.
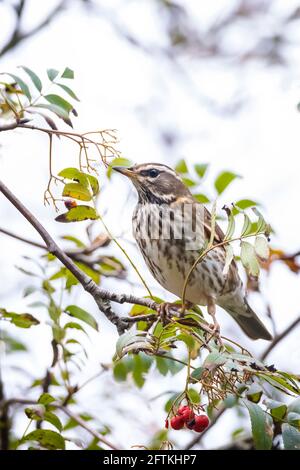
x=294, y=419
x=261, y=427
x=291, y=437
x=141, y=365
x=243, y=204
x=189, y=182
x=214, y=360
x=34, y=78
x=68, y=91
x=11, y=344
x=254, y=393
x=59, y=102
x=75, y=326
x=22, y=320
x=231, y=224
x=78, y=214
x=247, y=227
x=278, y=410
x=68, y=73
x=59, y=112
x=261, y=248
x=46, y=399
x=201, y=168
x=22, y=85
x=228, y=259
x=223, y=180
x=73, y=239
x=193, y=396
x=181, y=167
x=53, y=419
x=52, y=74
x=118, y=162
x=70, y=173
x=202, y=198
x=46, y=438
x=77, y=191
x=35, y=412
x=120, y=371
x=197, y=373
x=82, y=315
x=249, y=260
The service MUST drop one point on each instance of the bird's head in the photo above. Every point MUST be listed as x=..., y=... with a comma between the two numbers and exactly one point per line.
x=156, y=183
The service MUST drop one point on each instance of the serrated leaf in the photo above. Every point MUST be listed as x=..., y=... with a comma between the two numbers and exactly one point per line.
x=77, y=191
x=78, y=214
x=291, y=437
x=82, y=315
x=68, y=73
x=261, y=248
x=22, y=85
x=75, y=326
x=249, y=260
x=52, y=74
x=262, y=431
x=34, y=78
x=201, y=168
x=46, y=438
x=228, y=259
x=223, y=180
x=181, y=167
x=59, y=102
x=193, y=395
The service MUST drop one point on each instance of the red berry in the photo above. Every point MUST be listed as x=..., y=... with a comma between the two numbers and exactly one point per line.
x=167, y=424
x=200, y=423
x=177, y=422
x=186, y=412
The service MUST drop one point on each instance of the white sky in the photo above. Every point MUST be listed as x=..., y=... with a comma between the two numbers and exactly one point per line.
x=136, y=93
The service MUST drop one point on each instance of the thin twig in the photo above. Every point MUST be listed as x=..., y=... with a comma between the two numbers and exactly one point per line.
x=279, y=338
x=4, y=405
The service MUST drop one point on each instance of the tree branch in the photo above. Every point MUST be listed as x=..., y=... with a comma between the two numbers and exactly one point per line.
x=18, y=36
x=280, y=337
x=102, y=297
x=4, y=406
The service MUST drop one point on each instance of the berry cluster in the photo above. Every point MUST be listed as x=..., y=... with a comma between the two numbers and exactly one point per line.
x=186, y=417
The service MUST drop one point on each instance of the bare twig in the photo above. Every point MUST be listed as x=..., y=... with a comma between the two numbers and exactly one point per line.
x=280, y=337
x=4, y=406
x=18, y=36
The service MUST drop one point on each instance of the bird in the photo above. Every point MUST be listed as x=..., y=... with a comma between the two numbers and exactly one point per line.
x=169, y=226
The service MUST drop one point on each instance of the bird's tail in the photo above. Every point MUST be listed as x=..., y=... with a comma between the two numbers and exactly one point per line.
x=249, y=322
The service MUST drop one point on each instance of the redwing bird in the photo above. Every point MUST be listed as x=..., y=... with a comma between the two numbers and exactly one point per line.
x=169, y=255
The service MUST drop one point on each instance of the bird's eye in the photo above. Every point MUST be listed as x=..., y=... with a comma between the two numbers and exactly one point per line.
x=153, y=173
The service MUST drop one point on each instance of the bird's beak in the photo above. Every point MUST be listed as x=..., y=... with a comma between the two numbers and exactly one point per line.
x=124, y=171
